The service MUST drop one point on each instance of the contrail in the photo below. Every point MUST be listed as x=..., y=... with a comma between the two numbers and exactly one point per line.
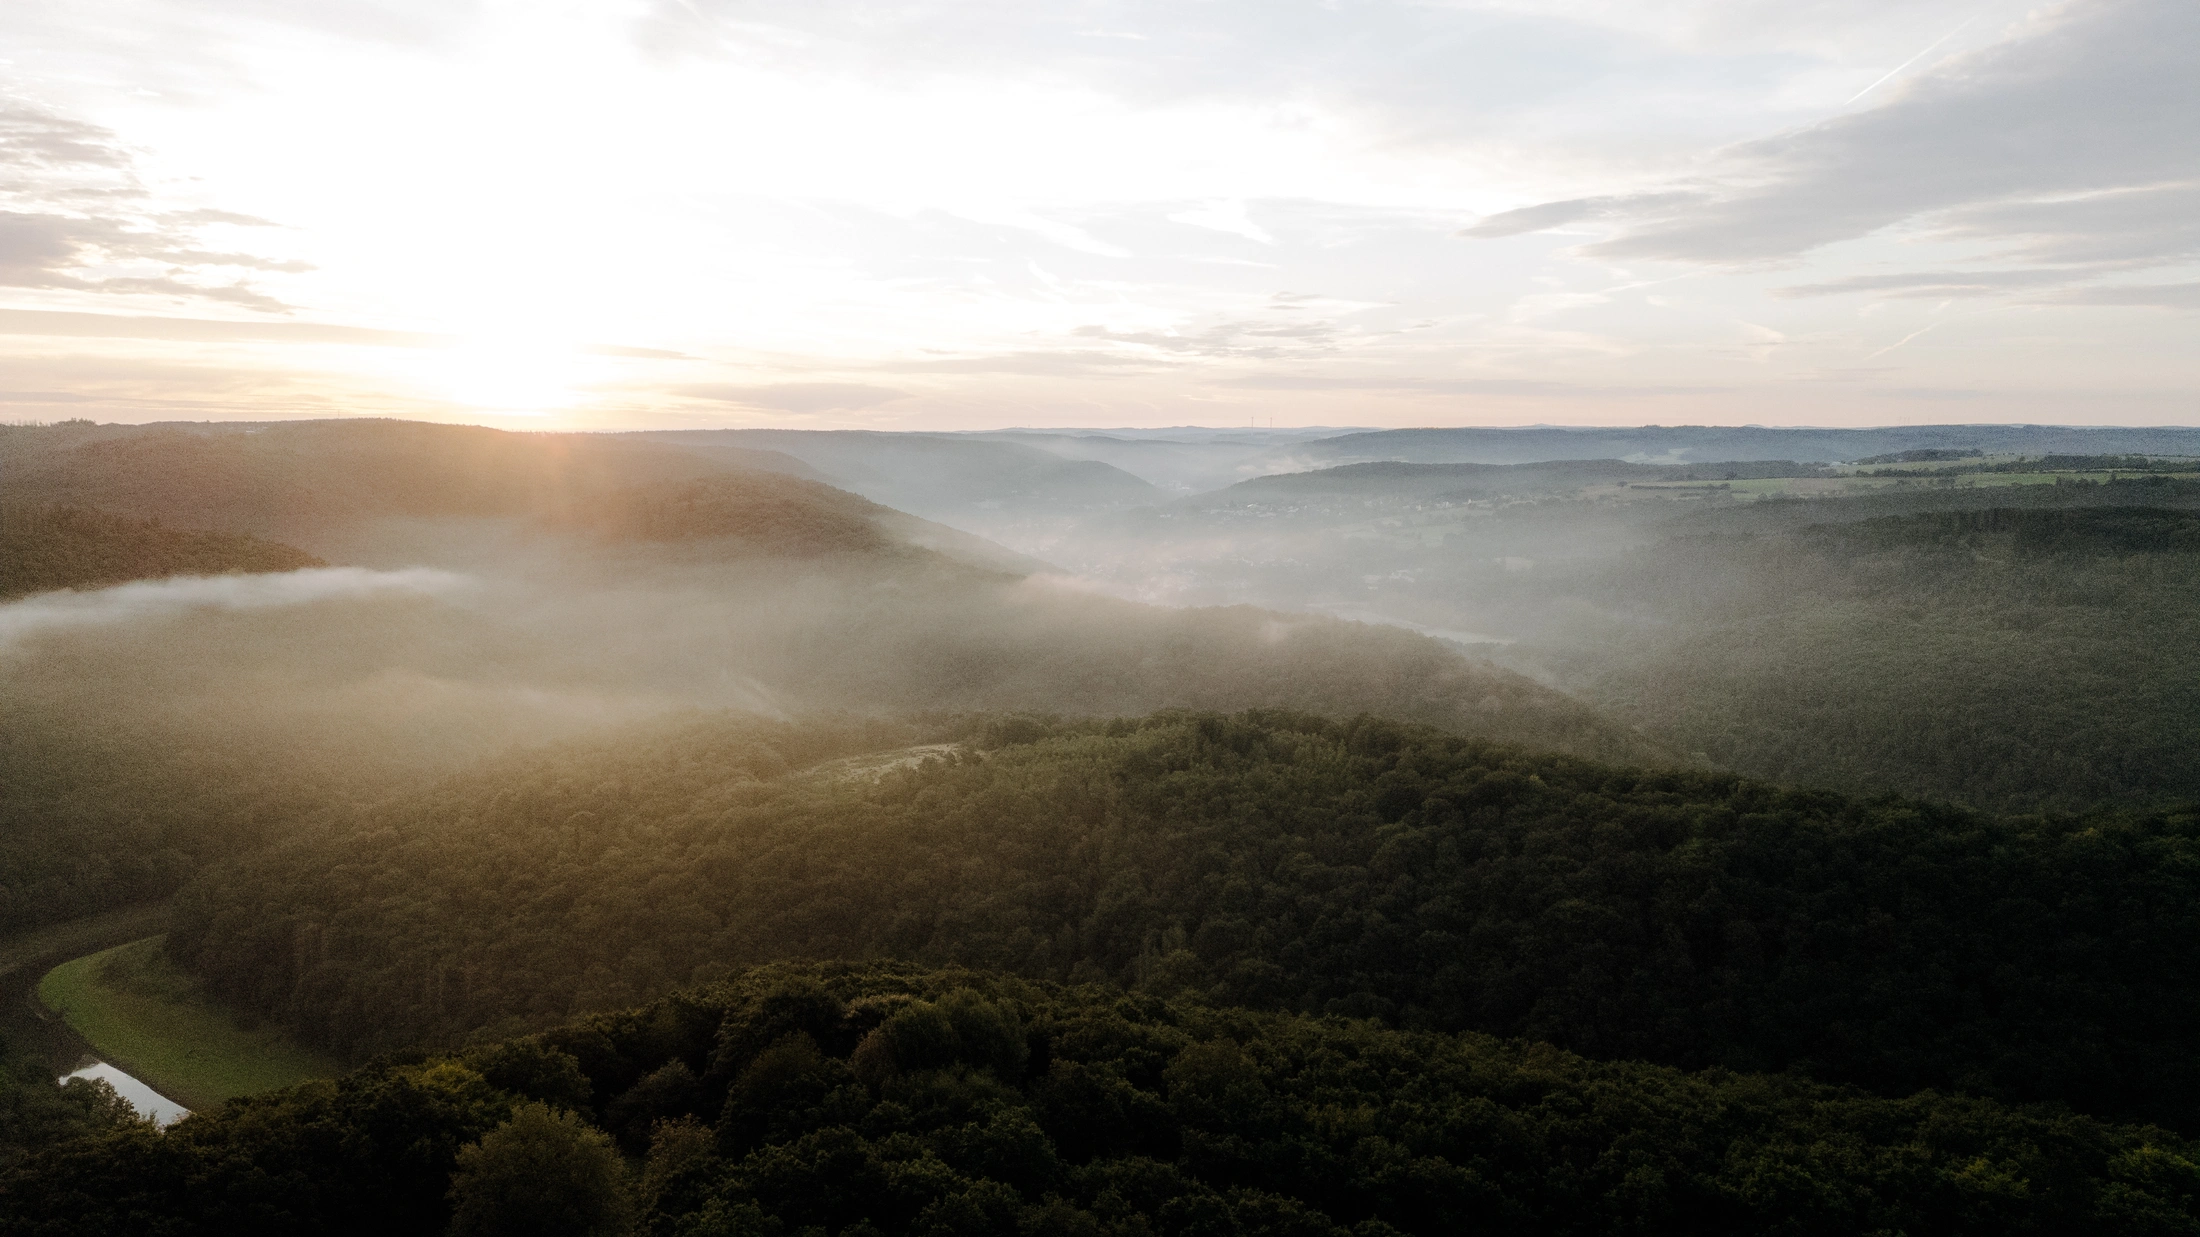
x=1907, y=338
x=1914, y=59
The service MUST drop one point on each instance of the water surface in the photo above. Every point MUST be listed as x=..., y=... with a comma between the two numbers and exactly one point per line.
x=148, y=1102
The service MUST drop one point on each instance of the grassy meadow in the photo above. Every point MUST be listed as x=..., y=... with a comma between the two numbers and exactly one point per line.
x=144, y=1016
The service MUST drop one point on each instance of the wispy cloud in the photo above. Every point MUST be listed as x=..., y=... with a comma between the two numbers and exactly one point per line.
x=73, y=217
x=1051, y=364
x=1931, y=284
x=798, y=397
x=2052, y=141
x=2148, y=296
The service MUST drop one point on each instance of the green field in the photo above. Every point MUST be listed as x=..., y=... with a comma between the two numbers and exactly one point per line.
x=149, y=1019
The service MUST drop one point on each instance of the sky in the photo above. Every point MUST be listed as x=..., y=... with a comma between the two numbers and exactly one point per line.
x=931, y=215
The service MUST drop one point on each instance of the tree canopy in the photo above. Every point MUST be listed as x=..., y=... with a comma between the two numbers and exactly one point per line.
x=1272, y=860
x=888, y=1100
x=45, y=548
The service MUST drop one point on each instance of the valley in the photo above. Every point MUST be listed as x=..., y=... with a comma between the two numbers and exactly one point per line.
x=1060, y=850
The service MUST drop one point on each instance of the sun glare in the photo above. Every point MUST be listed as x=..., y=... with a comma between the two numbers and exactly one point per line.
x=512, y=375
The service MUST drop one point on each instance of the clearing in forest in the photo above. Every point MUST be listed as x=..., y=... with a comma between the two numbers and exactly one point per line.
x=144, y=1016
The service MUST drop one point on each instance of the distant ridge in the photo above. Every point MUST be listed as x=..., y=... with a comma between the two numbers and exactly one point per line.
x=1682, y=444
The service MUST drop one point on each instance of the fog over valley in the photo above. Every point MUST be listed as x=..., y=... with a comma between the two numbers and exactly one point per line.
x=719, y=618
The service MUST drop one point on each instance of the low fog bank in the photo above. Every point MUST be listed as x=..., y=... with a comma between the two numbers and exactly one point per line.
x=2008, y=632
x=152, y=600
x=493, y=591
x=151, y=726
x=443, y=663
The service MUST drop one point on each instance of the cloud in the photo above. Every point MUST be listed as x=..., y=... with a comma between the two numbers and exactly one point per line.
x=1932, y=284
x=72, y=218
x=2147, y=296
x=1424, y=73
x=1429, y=66
x=217, y=216
x=2055, y=141
x=61, y=323
x=1225, y=216
x=50, y=251
x=642, y=354
x=1550, y=215
x=34, y=138
x=1248, y=339
x=2144, y=225
x=797, y=396
x=1036, y=363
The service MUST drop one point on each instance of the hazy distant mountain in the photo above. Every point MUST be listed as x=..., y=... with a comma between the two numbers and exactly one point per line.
x=959, y=479
x=306, y=482
x=1184, y=460
x=392, y=493
x=1679, y=444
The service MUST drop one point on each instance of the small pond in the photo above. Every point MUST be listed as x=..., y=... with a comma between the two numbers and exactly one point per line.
x=148, y=1102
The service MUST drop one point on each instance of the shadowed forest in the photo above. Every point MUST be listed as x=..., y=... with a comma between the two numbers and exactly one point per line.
x=872, y=834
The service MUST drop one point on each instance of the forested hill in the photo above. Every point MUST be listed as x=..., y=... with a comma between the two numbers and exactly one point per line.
x=770, y=514
x=301, y=479
x=2028, y=531
x=327, y=484
x=2011, y=656
x=45, y=548
x=1272, y=860
x=1394, y=483
x=885, y=1100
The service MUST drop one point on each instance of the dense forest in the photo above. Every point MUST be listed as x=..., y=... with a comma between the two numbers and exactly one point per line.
x=36, y=1115
x=888, y=1100
x=44, y=548
x=2013, y=647
x=1871, y=808
x=306, y=481
x=1362, y=868
x=124, y=764
x=141, y=736
x=2010, y=657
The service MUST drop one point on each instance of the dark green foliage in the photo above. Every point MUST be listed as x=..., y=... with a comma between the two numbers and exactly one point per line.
x=2013, y=657
x=1924, y=455
x=1387, y=483
x=1273, y=860
x=1873, y=642
x=2029, y=531
x=541, y=1174
x=68, y=547
x=2028, y=464
x=34, y=1113
x=370, y=1154
x=94, y=822
x=1122, y=1115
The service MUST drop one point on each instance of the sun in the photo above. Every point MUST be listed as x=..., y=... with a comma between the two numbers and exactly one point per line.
x=509, y=374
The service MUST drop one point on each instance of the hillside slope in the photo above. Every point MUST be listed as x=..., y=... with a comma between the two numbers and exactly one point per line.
x=394, y=493
x=1362, y=868
x=891, y=1100
x=1697, y=443
x=502, y=590
x=46, y=548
